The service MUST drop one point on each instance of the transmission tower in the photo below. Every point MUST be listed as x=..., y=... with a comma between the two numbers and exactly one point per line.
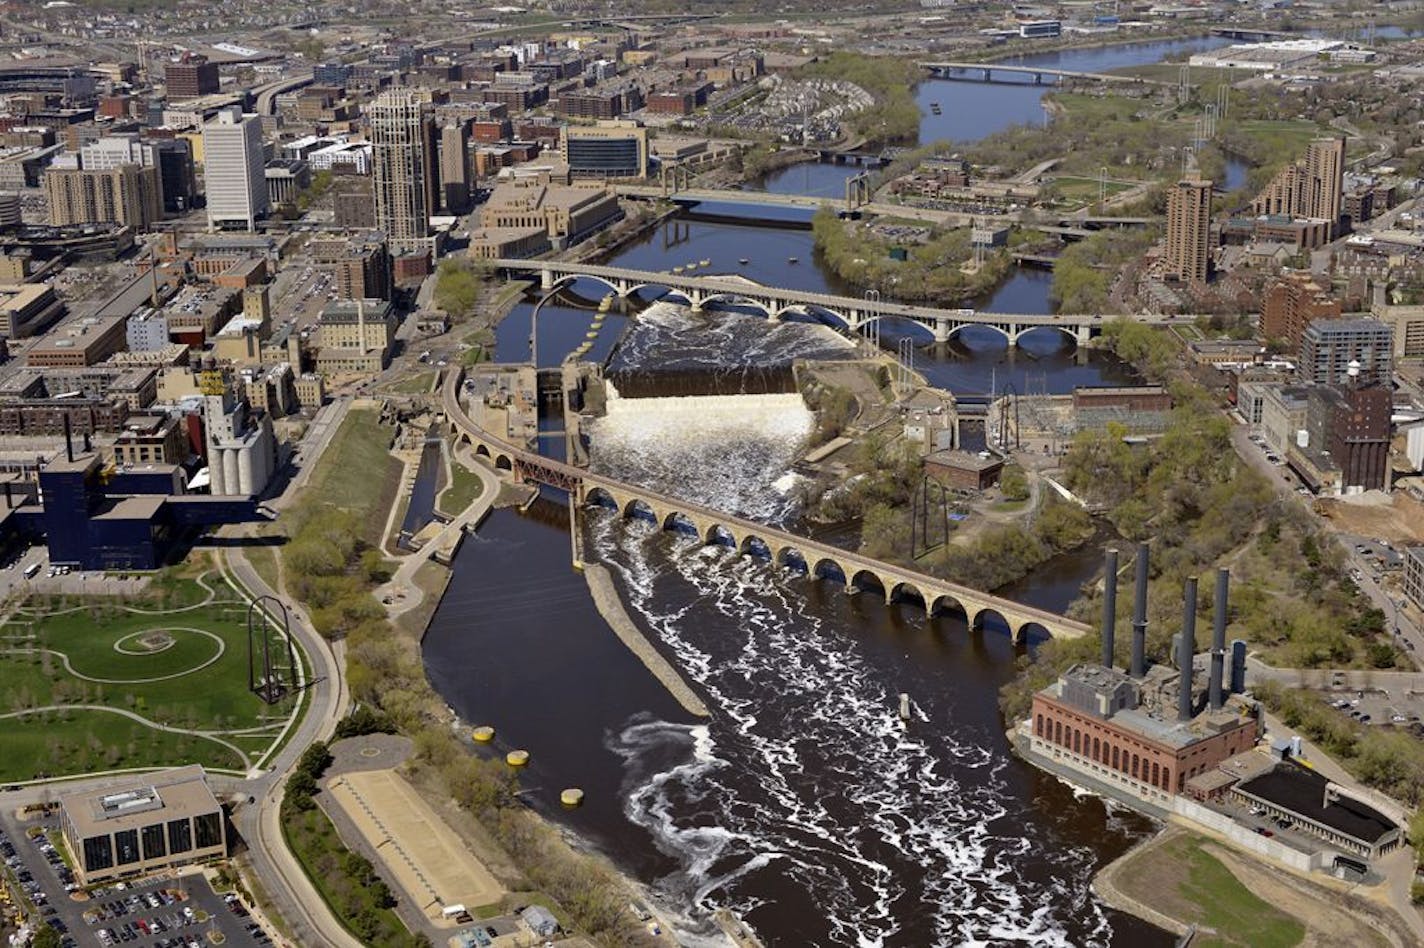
x=929, y=517
x=906, y=369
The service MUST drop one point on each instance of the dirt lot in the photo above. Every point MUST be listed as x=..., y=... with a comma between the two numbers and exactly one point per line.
x=1399, y=521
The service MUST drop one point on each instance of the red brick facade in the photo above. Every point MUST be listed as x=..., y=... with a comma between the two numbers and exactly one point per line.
x=1104, y=742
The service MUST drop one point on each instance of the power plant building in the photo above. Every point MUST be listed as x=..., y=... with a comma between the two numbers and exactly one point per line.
x=1146, y=731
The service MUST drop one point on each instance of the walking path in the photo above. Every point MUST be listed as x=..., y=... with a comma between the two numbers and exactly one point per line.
x=402, y=591
x=123, y=712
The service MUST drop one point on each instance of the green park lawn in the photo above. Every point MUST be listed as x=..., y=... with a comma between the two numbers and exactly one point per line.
x=1186, y=882
x=464, y=487
x=74, y=742
x=358, y=457
x=183, y=668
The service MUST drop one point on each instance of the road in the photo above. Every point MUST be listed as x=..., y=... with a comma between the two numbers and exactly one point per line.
x=1287, y=486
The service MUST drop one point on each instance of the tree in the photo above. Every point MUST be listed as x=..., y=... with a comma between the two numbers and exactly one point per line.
x=1014, y=483
x=457, y=287
x=46, y=937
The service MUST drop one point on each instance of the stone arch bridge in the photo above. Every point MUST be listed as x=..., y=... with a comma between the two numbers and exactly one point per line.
x=779, y=547
x=853, y=314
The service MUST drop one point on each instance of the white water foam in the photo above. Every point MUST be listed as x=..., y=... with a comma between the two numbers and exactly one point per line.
x=756, y=789
x=726, y=451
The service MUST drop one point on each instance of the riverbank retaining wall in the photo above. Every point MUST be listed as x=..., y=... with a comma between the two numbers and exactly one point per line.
x=610, y=606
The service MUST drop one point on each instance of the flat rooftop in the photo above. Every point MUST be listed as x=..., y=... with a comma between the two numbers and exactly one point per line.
x=1300, y=790
x=136, y=803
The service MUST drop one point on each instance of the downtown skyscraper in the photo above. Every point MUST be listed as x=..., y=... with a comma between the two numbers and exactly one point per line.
x=403, y=166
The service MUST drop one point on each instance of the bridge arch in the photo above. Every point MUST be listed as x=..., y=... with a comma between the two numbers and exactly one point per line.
x=1066, y=334
x=637, y=509
x=1032, y=633
x=718, y=535
x=900, y=326
x=598, y=497
x=755, y=547
x=481, y=451
x=863, y=580
x=948, y=606
x=790, y=558
x=827, y=568
x=568, y=279
x=503, y=463
x=908, y=592
x=957, y=333
x=680, y=523
x=813, y=314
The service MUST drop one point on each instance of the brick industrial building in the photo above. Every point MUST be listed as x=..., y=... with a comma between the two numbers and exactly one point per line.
x=1146, y=730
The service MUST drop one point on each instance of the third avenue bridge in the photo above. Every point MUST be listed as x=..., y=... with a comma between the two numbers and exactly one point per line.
x=780, y=547
x=854, y=314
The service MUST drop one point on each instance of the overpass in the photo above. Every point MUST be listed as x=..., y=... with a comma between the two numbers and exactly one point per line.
x=854, y=314
x=268, y=92
x=779, y=547
x=987, y=71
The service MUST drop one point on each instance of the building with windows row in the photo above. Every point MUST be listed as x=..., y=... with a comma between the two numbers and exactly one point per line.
x=167, y=819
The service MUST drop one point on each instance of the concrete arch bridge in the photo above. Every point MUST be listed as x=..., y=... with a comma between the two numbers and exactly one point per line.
x=853, y=315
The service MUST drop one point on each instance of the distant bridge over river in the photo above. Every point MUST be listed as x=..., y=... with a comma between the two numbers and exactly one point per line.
x=986, y=72
x=854, y=314
x=779, y=547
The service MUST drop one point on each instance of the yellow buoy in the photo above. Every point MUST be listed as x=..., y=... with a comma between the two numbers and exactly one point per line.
x=517, y=758
x=482, y=735
x=571, y=797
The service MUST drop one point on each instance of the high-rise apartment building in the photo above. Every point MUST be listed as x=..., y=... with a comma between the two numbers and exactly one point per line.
x=1325, y=179
x=234, y=169
x=1311, y=188
x=1328, y=346
x=403, y=168
x=128, y=194
x=1189, y=231
x=455, y=170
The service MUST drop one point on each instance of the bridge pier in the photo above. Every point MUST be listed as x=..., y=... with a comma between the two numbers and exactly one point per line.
x=546, y=279
x=941, y=332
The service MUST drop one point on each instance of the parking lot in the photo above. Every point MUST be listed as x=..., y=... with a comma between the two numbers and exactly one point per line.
x=165, y=911
x=30, y=571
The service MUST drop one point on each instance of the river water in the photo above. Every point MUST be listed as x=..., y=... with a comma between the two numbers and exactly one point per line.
x=803, y=803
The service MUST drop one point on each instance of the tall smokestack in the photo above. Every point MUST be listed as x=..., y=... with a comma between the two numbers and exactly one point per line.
x=68, y=438
x=1139, y=616
x=1186, y=645
x=1218, y=640
x=1109, y=605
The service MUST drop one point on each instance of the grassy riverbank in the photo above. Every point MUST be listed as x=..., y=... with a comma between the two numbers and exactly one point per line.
x=1182, y=879
x=336, y=519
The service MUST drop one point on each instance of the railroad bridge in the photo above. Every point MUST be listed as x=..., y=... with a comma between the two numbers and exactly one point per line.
x=854, y=315
x=779, y=547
